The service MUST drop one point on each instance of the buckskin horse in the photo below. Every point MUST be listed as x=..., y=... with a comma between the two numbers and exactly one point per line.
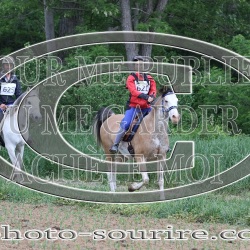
x=150, y=142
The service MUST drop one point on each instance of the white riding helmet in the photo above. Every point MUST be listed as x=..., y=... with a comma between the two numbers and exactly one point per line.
x=8, y=60
x=8, y=64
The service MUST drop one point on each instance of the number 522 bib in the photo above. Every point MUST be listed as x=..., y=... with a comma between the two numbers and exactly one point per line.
x=8, y=88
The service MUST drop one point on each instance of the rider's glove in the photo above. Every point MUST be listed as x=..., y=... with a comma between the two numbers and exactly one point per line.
x=143, y=96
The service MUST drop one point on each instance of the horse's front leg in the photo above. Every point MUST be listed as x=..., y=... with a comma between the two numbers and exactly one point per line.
x=112, y=181
x=112, y=170
x=19, y=154
x=12, y=154
x=15, y=162
x=145, y=179
x=111, y=174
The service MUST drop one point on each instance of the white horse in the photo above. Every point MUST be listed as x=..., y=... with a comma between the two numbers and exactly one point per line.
x=150, y=142
x=16, y=121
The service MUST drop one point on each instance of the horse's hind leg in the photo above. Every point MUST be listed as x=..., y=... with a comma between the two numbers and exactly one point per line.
x=12, y=154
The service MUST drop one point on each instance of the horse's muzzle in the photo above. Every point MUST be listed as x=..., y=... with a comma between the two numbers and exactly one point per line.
x=37, y=118
x=175, y=119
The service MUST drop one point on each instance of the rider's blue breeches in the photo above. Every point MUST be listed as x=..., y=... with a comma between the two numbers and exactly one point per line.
x=130, y=115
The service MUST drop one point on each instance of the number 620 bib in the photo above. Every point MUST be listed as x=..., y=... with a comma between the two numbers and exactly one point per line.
x=8, y=88
x=142, y=86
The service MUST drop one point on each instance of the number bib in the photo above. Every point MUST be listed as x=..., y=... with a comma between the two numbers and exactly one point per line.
x=8, y=88
x=142, y=86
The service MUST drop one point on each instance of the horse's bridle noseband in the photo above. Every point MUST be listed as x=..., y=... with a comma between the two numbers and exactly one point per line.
x=162, y=102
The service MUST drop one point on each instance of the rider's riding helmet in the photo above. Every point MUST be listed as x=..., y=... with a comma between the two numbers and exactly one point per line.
x=138, y=58
x=8, y=63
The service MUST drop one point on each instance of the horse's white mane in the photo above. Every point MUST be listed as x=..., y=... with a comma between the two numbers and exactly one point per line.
x=13, y=109
x=19, y=99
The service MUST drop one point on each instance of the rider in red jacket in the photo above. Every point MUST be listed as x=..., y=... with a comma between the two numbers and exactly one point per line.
x=139, y=95
x=142, y=88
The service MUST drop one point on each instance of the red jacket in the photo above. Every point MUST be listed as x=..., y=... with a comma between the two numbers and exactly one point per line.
x=135, y=101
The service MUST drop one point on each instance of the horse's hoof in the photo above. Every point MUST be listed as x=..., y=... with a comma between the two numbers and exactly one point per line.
x=131, y=188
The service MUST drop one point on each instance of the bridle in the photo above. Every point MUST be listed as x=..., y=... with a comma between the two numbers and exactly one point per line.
x=164, y=110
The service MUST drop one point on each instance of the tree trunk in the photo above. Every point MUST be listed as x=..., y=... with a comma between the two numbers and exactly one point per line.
x=73, y=18
x=146, y=49
x=161, y=5
x=131, y=48
x=135, y=19
x=49, y=21
x=49, y=25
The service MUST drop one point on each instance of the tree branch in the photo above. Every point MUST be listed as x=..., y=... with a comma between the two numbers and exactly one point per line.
x=139, y=10
x=65, y=8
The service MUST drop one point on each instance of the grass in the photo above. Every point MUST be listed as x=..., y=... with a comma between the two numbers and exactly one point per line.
x=229, y=205
x=231, y=149
x=212, y=207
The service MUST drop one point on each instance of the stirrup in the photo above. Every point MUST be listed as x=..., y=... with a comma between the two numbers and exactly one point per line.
x=114, y=148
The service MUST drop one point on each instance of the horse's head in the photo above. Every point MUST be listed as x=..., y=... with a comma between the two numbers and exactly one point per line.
x=32, y=100
x=170, y=105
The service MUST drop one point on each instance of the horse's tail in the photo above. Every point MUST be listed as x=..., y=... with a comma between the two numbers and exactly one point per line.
x=102, y=115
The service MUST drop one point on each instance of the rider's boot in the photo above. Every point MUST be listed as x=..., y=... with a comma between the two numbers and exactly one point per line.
x=1, y=139
x=119, y=136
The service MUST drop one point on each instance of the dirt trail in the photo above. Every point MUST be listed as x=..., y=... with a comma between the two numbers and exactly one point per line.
x=26, y=217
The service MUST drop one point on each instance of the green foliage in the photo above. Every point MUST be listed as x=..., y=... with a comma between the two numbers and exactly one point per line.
x=213, y=21
x=20, y=23
x=104, y=8
x=96, y=96
x=31, y=73
x=97, y=91
x=240, y=45
x=89, y=55
x=235, y=96
x=155, y=24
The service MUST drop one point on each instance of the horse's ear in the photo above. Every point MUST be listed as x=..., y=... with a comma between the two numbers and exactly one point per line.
x=28, y=89
x=165, y=89
x=162, y=90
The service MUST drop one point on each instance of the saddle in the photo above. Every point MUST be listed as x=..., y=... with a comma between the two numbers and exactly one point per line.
x=131, y=132
x=133, y=128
